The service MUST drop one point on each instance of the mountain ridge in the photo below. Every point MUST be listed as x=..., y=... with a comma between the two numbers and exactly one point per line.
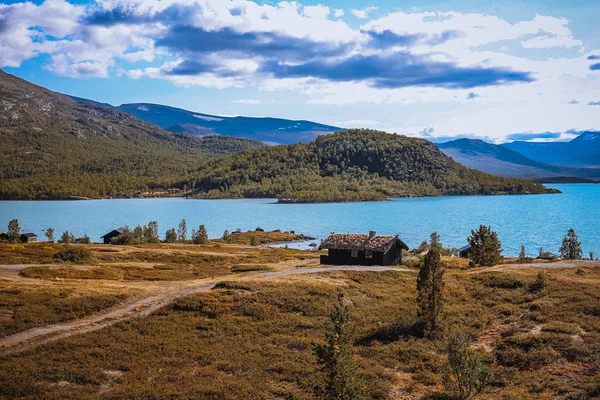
x=501, y=160
x=265, y=129
x=582, y=151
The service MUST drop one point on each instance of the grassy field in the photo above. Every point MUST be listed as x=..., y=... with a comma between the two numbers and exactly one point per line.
x=153, y=262
x=252, y=339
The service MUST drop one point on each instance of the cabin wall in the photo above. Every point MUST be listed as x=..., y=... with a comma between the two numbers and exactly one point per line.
x=108, y=237
x=343, y=257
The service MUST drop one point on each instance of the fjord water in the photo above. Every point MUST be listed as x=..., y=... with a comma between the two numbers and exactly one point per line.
x=533, y=220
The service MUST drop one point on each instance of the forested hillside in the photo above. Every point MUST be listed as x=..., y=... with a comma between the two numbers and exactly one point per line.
x=54, y=147
x=350, y=165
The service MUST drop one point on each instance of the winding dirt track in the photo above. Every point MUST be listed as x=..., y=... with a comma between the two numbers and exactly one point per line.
x=157, y=296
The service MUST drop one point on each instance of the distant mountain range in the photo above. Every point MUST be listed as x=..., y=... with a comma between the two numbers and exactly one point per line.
x=266, y=130
x=583, y=151
x=503, y=160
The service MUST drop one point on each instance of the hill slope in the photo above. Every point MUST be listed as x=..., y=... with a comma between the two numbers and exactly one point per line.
x=54, y=147
x=500, y=160
x=268, y=130
x=348, y=166
x=583, y=151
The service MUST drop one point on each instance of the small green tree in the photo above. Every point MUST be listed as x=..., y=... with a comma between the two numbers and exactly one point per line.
x=467, y=374
x=342, y=380
x=200, y=236
x=67, y=237
x=85, y=240
x=150, y=233
x=253, y=241
x=182, y=231
x=435, y=240
x=225, y=234
x=592, y=255
x=171, y=236
x=522, y=253
x=137, y=235
x=49, y=235
x=14, y=231
x=539, y=284
x=430, y=284
x=571, y=247
x=486, y=249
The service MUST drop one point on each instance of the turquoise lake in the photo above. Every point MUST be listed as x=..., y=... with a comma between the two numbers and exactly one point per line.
x=533, y=220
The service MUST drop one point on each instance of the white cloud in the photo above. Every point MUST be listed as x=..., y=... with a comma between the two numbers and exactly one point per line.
x=78, y=48
x=319, y=11
x=363, y=12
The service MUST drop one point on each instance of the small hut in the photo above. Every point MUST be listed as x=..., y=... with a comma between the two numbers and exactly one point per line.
x=362, y=249
x=112, y=234
x=28, y=237
x=465, y=251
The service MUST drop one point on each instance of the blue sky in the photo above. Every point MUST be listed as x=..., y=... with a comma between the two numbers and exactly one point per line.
x=489, y=69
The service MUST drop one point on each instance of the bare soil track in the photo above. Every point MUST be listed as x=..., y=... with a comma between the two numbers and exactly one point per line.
x=157, y=295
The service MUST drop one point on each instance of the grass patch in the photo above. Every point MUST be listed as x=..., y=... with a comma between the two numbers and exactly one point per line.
x=24, y=308
x=248, y=268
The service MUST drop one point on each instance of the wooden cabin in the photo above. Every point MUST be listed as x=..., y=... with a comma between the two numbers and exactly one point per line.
x=28, y=237
x=465, y=251
x=112, y=234
x=362, y=249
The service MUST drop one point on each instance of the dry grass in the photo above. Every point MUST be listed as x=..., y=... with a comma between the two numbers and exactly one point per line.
x=26, y=307
x=150, y=262
x=252, y=340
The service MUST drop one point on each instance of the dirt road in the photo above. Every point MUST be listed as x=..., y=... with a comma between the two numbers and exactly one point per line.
x=157, y=295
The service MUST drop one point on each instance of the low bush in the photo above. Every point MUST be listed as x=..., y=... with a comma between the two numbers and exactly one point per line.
x=73, y=254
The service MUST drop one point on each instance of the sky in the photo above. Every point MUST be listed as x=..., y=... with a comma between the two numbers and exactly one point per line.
x=494, y=70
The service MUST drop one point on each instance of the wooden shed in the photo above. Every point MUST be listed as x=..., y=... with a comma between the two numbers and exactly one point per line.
x=362, y=249
x=112, y=234
x=465, y=251
x=28, y=237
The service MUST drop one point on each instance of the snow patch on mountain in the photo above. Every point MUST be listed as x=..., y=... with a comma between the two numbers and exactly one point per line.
x=207, y=118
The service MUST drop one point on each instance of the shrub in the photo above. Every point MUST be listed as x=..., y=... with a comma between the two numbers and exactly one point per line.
x=67, y=237
x=73, y=254
x=85, y=240
x=170, y=236
x=539, y=284
x=467, y=373
x=342, y=379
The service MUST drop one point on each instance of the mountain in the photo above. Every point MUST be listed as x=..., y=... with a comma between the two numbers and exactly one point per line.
x=267, y=130
x=55, y=147
x=500, y=160
x=583, y=151
x=348, y=166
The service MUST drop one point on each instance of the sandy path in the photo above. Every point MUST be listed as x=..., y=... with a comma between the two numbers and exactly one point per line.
x=157, y=296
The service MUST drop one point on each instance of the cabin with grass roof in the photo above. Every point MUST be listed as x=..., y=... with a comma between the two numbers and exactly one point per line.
x=362, y=249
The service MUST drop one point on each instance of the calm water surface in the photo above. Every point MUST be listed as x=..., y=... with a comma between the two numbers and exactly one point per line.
x=533, y=220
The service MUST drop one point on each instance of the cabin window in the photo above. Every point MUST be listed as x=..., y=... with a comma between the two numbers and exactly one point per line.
x=368, y=254
x=354, y=253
